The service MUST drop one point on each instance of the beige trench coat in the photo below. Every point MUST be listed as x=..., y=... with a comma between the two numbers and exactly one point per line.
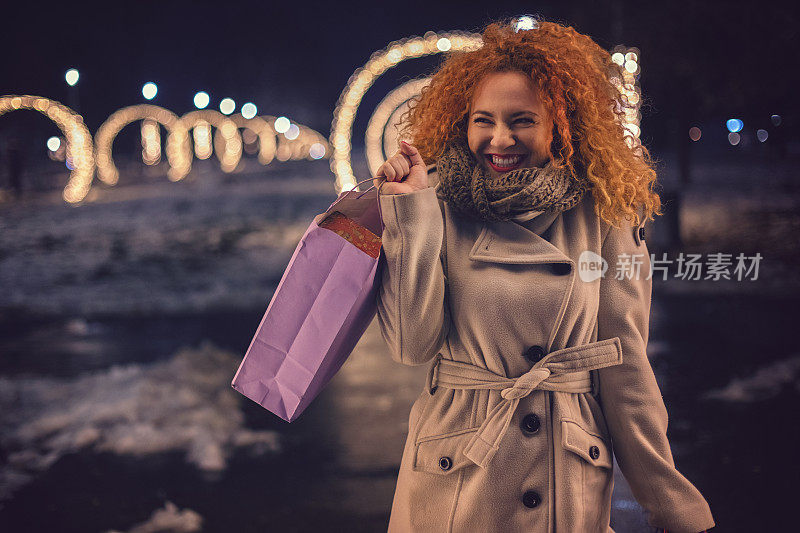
x=513, y=430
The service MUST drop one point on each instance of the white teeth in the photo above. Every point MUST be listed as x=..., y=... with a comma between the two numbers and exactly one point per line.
x=508, y=161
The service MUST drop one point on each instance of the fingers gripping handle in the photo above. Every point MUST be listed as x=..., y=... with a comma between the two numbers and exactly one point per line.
x=380, y=214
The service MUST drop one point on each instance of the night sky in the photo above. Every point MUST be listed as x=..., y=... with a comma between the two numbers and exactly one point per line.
x=702, y=61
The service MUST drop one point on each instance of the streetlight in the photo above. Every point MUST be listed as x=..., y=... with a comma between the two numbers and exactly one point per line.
x=201, y=100
x=249, y=110
x=72, y=76
x=227, y=106
x=149, y=90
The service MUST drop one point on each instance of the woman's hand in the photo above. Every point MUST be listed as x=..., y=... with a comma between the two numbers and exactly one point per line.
x=405, y=172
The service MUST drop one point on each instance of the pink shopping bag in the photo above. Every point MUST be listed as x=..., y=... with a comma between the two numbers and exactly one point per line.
x=324, y=302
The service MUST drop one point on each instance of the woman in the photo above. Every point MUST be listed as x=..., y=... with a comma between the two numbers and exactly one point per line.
x=497, y=275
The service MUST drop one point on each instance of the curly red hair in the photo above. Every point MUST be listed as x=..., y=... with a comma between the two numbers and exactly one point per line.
x=573, y=75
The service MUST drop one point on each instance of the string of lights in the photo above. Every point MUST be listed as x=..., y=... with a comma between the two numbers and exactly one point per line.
x=631, y=95
x=180, y=163
x=283, y=142
x=364, y=77
x=79, y=150
x=383, y=128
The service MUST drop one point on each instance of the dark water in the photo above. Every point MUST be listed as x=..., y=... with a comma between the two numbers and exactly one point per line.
x=740, y=455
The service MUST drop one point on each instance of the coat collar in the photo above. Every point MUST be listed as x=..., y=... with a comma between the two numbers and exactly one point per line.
x=514, y=243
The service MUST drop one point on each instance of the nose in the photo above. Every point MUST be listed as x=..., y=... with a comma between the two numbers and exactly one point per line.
x=502, y=137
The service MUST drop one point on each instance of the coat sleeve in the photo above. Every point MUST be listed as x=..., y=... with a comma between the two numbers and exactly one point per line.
x=630, y=396
x=412, y=309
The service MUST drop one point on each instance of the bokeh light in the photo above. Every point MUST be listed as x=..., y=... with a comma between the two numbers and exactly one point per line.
x=79, y=147
x=72, y=76
x=282, y=124
x=227, y=144
x=227, y=106
x=762, y=135
x=734, y=126
x=293, y=132
x=525, y=22
x=363, y=78
x=201, y=134
x=383, y=131
x=149, y=90
x=178, y=149
x=249, y=110
x=257, y=130
x=734, y=138
x=53, y=144
x=630, y=101
x=444, y=44
x=201, y=100
x=151, y=142
x=80, y=154
x=317, y=151
x=695, y=133
x=776, y=120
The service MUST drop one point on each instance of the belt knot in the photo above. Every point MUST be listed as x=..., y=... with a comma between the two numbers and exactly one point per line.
x=526, y=383
x=577, y=360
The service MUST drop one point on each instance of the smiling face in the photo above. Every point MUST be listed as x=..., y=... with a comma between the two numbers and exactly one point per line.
x=508, y=126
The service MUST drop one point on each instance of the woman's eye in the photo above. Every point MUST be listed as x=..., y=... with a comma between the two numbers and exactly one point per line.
x=483, y=120
x=524, y=121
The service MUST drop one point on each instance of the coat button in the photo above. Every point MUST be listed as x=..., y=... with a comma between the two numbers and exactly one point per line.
x=534, y=354
x=531, y=423
x=445, y=463
x=561, y=269
x=531, y=499
x=594, y=452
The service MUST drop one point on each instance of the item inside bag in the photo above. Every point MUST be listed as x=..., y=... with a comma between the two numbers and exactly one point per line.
x=353, y=232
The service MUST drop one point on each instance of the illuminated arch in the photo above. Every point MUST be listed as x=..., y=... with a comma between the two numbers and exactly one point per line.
x=628, y=59
x=363, y=78
x=229, y=152
x=267, y=145
x=382, y=133
x=79, y=141
x=180, y=162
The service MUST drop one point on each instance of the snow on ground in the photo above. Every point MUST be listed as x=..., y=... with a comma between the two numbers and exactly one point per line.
x=765, y=383
x=169, y=519
x=183, y=403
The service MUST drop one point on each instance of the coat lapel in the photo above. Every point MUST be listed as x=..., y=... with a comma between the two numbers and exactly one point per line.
x=511, y=242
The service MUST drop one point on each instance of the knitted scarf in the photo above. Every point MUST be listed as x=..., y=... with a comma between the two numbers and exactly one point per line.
x=470, y=190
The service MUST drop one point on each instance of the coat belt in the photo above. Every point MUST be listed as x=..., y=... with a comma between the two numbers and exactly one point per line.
x=565, y=370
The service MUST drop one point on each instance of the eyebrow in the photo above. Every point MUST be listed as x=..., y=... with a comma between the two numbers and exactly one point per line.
x=481, y=112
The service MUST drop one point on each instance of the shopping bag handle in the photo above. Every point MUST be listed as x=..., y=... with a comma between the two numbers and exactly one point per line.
x=380, y=214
